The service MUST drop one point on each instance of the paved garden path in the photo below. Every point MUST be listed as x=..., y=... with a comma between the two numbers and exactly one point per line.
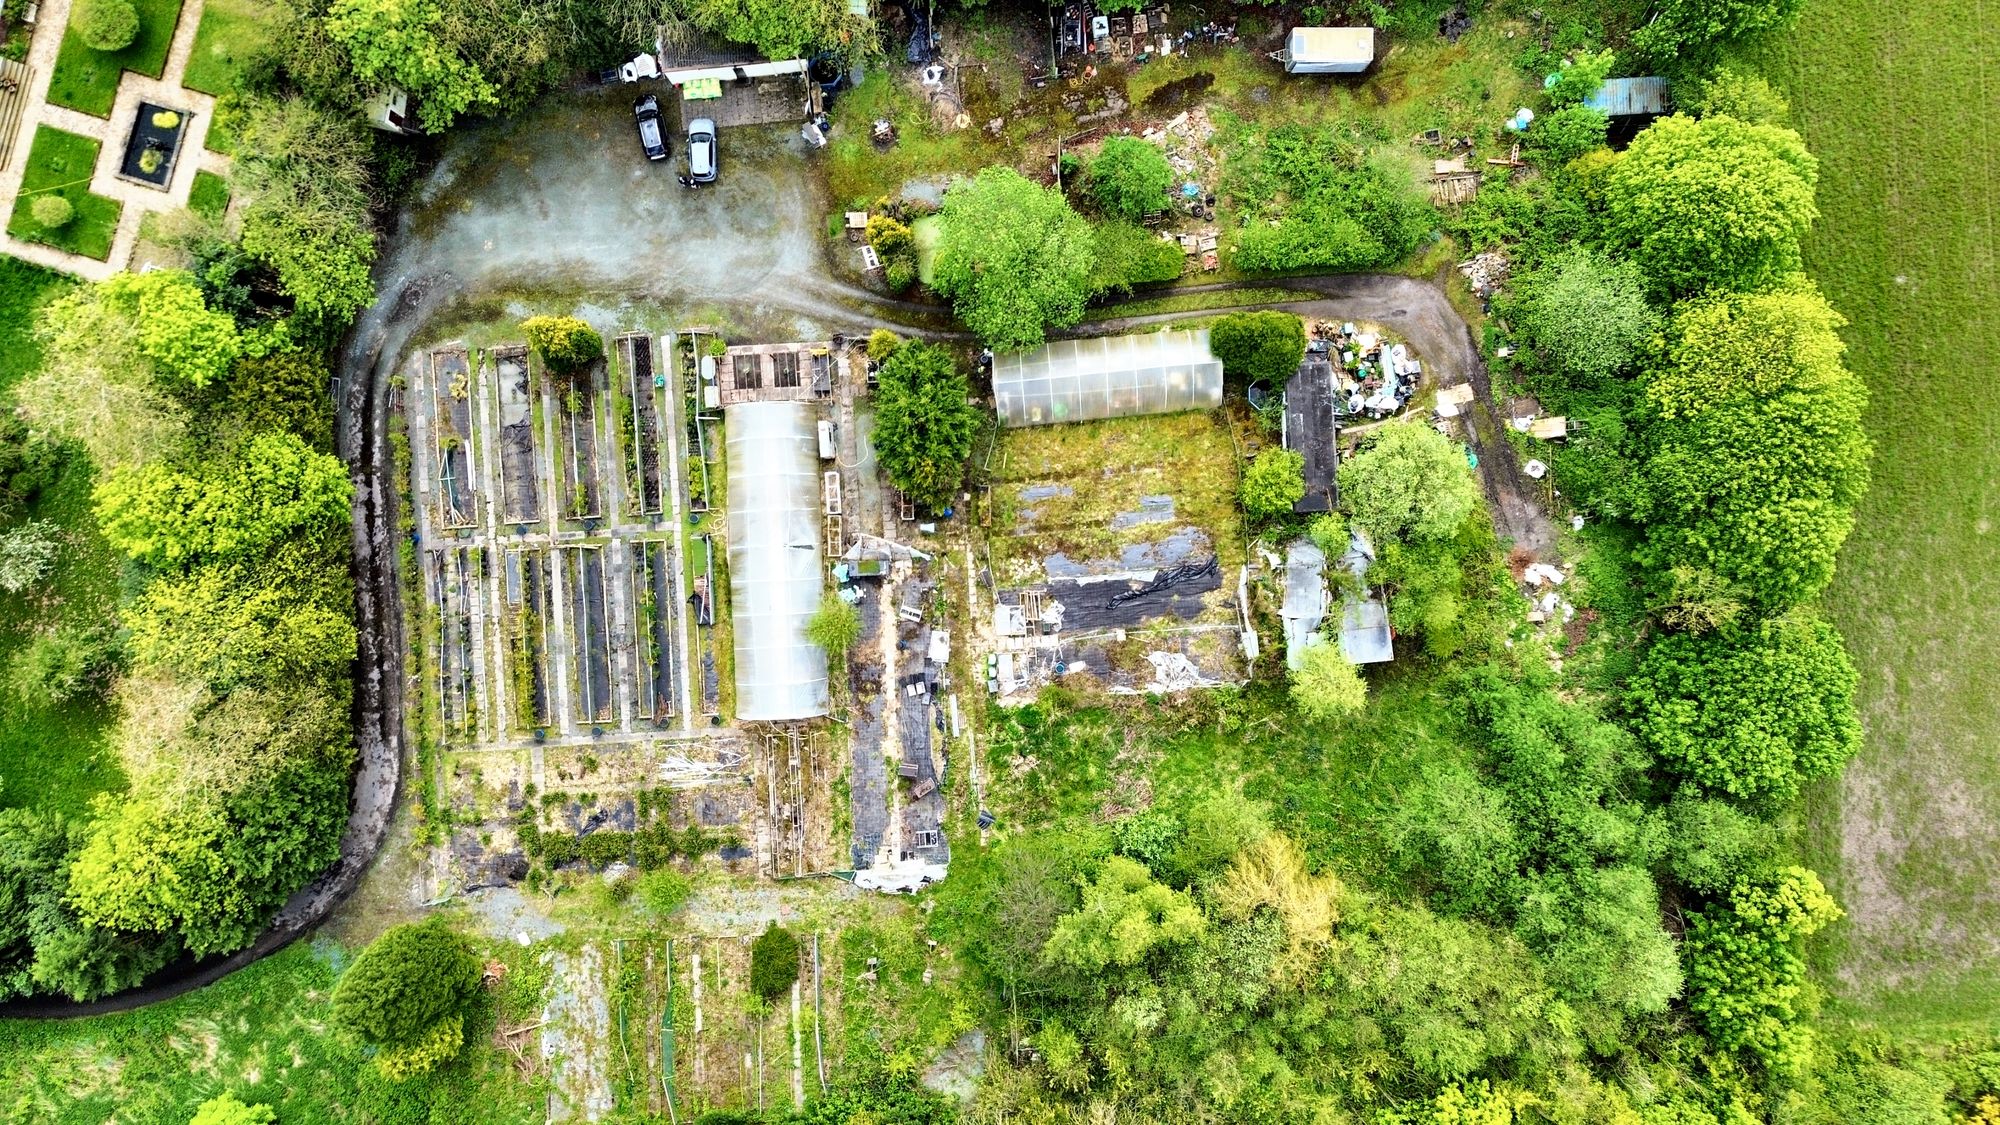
x=139, y=199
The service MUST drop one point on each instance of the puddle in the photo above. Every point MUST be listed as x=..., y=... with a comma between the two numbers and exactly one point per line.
x=1152, y=509
x=927, y=190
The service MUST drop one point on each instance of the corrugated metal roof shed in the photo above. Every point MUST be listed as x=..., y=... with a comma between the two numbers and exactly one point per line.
x=1107, y=377
x=1627, y=97
x=775, y=581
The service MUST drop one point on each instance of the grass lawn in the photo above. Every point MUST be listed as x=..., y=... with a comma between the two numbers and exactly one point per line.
x=23, y=288
x=263, y=1035
x=209, y=196
x=1905, y=248
x=61, y=163
x=231, y=32
x=86, y=79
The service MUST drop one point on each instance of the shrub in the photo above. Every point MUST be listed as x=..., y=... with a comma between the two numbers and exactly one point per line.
x=1745, y=975
x=108, y=25
x=1274, y=482
x=1328, y=532
x=1738, y=94
x=1557, y=138
x=1581, y=78
x=899, y=274
x=427, y=1052
x=1326, y=685
x=1587, y=314
x=1259, y=346
x=227, y=1110
x=924, y=422
x=882, y=344
x=166, y=119
x=1410, y=481
x=1130, y=178
x=774, y=963
x=664, y=891
x=567, y=344
x=408, y=992
x=68, y=663
x=52, y=211
x=1129, y=255
x=27, y=554
x=835, y=626
x=1311, y=199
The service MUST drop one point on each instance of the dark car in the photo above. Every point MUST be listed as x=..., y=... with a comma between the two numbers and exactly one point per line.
x=701, y=150
x=651, y=138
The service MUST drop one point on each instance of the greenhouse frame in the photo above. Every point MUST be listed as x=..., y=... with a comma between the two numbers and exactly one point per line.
x=775, y=581
x=1107, y=377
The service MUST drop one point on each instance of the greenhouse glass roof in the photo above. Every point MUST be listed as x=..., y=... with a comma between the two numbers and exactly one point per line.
x=774, y=559
x=1107, y=377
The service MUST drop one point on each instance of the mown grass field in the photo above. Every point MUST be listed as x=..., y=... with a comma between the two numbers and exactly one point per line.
x=61, y=163
x=231, y=32
x=86, y=79
x=1894, y=100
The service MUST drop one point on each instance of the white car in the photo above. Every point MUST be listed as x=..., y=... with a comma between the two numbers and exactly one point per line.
x=701, y=150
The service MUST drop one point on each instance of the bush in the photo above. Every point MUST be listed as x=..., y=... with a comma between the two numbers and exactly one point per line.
x=774, y=963
x=427, y=1052
x=1557, y=138
x=408, y=991
x=1745, y=975
x=1130, y=178
x=567, y=344
x=108, y=25
x=1328, y=532
x=882, y=344
x=834, y=626
x=899, y=275
x=1410, y=481
x=27, y=554
x=924, y=423
x=1311, y=199
x=69, y=663
x=1326, y=685
x=1581, y=78
x=1259, y=346
x=227, y=1110
x=1274, y=482
x=1129, y=255
x=52, y=211
x=1738, y=94
x=664, y=891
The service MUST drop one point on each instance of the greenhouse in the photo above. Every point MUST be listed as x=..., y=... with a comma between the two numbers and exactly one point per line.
x=774, y=559
x=1107, y=377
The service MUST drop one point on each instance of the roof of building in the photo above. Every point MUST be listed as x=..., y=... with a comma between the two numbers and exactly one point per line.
x=1626, y=97
x=1107, y=377
x=1331, y=44
x=775, y=576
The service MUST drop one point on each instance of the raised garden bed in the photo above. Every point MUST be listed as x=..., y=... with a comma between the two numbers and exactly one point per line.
x=154, y=145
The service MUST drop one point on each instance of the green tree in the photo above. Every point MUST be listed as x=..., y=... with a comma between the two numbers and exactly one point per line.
x=288, y=616
x=278, y=488
x=1753, y=712
x=44, y=945
x=1124, y=916
x=53, y=212
x=1712, y=204
x=1588, y=314
x=774, y=963
x=1560, y=136
x=402, y=42
x=1411, y=481
x=1275, y=480
x=1130, y=178
x=303, y=172
x=1728, y=92
x=1581, y=77
x=1129, y=254
x=1326, y=685
x=1712, y=843
x=225, y=1109
x=1259, y=346
x=1746, y=979
x=1013, y=258
x=1755, y=455
x=566, y=343
x=834, y=626
x=107, y=25
x=408, y=983
x=185, y=340
x=924, y=422
x=1691, y=30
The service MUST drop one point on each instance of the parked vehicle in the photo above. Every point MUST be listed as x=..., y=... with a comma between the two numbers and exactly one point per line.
x=651, y=138
x=701, y=150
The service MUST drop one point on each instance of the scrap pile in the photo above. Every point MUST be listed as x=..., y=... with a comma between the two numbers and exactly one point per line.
x=1372, y=375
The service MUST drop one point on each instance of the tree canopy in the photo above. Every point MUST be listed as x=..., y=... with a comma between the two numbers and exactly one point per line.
x=1326, y=685
x=1410, y=481
x=1013, y=257
x=1752, y=712
x=924, y=422
x=304, y=174
x=1754, y=453
x=1714, y=203
x=1588, y=314
x=405, y=983
x=167, y=516
x=1259, y=346
x=1130, y=178
x=400, y=41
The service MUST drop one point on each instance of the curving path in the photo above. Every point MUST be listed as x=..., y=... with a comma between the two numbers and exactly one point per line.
x=554, y=203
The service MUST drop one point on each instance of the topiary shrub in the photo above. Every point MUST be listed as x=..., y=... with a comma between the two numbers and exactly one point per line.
x=1256, y=346
x=407, y=994
x=166, y=119
x=226, y=1109
x=52, y=211
x=150, y=160
x=567, y=344
x=774, y=963
x=108, y=25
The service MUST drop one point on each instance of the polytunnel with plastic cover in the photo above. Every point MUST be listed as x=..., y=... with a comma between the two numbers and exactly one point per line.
x=775, y=579
x=1107, y=377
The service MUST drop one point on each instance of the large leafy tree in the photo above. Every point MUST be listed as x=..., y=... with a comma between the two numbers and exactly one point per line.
x=186, y=341
x=1755, y=456
x=1124, y=916
x=1411, y=482
x=1694, y=28
x=1588, y=315
x=226, y=624
x=1746, y=979
x=1013, y=257
x=1713, y=203
x=924, y=422
x=279, y=487
x=401, y=41
x=1754, y=712
x=304, y=174
x=408, y=994
x=1257, y=346
x=1130, y=178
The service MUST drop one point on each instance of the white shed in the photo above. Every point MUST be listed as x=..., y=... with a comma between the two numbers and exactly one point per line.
x=1329, y=50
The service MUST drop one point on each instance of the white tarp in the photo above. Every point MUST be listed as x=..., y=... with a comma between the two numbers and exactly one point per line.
x=775, y=581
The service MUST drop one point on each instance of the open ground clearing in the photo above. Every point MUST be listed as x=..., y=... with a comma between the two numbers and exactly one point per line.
x=1906, y=249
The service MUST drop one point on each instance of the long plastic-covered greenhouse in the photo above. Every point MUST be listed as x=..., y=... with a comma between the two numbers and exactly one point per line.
x=774, y=561
x=1107, y=377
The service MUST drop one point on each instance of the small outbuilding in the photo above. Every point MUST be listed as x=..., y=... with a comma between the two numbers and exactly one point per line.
x=1631, y=104
x=1107, y=377
x=1328, y=50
